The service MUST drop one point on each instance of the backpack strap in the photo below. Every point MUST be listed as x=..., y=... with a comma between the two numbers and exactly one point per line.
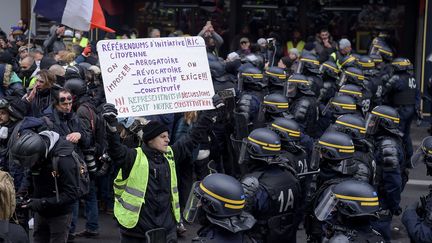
x=55, y=174
x=92, y=119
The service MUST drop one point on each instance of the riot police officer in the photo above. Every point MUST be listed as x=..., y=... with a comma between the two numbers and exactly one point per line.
x=372, y=80
x=330, y=75
x=291, y=138
x=273, y=106
x=309, y=66
x=402, y=93
x=417, y=218
x=356, y=92
x=355, y=127
x=382, y=125
x=333, y=153
x=275, y=78
x=346, y=209
x=252, y=89
x=272, y=190
x=218, y=201
x=339, y=105
x=303, y=104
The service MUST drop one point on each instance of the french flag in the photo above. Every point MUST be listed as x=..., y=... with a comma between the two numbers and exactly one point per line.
x=77, y=14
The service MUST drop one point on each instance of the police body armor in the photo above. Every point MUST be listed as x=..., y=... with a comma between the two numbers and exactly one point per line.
x=408, y=89
x=283, y=194
x=367, y=165
x=305, y=111
x=388, y=157
x=313, y=226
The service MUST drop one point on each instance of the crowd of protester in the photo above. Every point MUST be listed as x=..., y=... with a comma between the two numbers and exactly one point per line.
x=305, y=131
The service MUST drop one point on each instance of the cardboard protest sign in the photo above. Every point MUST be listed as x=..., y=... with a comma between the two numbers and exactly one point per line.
x=156, y=75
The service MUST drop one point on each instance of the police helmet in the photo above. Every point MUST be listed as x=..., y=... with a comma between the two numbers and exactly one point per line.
x=221, y=195
x=353, y=75
x=4, y=104
x=341, y=104
x=401, y=64
x=275, y=76
x=351, y=198
x=347, y=61
x=252, y=76
x=376, y=58
x=366, y=62
x=309, y=62
x=275, y=103
x=330, y=69
x=263, y=143
x=382, y=116
x=287, y=129
x=352, y=125
x=335, y=145
x=385, y=51
x=28, y=149
x=299, y=82
x=352, y=90
x=424, y=154
x=76, y=86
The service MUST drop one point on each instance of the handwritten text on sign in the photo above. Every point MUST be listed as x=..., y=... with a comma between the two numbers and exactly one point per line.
x=156, y=75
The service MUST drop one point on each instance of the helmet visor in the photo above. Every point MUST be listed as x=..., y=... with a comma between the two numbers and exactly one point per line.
x=192, y=204
x=342, y=79
x=300, y=67
x=291, y=89
x=315, y=158
x=326, y=206
x=243, y=152
x=417, y=157
x=372, y=123
x=26, y=161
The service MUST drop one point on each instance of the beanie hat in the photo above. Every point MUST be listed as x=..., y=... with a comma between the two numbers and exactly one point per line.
x=152, y=130
x=294, y=51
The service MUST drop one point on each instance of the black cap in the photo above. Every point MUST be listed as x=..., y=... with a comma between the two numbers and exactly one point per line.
x=153, y=129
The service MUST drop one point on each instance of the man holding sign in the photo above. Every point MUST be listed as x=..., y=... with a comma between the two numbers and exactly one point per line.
x=146, y=194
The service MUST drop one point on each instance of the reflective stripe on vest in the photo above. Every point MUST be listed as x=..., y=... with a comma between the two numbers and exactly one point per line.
x=130, y=192
x=299, y=47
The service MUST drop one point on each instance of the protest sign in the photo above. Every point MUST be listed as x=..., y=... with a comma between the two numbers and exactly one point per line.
x=156, y=75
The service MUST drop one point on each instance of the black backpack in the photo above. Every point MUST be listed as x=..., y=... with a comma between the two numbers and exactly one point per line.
x=83, y=174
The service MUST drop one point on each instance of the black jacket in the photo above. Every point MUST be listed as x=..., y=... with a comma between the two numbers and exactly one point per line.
x=43, y=185
x=157, y=212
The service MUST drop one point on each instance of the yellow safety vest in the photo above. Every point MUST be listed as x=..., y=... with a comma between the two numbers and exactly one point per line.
x=130, y=192
x=334, y=56
x=83, y=42
x=299, y=47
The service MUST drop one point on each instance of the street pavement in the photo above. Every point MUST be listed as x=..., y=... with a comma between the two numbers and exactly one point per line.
x=416, y=186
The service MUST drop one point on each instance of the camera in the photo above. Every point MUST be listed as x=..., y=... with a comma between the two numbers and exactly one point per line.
x=270, y=43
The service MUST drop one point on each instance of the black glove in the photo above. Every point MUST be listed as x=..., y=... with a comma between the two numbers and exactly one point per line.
x=218, y=103
x=35, y=204
x=110, y=113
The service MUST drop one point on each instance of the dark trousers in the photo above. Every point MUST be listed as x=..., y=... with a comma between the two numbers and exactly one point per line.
x=51, y=229
x=171, y=237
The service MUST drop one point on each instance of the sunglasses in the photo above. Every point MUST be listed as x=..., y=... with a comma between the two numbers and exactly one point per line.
x=244, y=42
x=63, y=99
